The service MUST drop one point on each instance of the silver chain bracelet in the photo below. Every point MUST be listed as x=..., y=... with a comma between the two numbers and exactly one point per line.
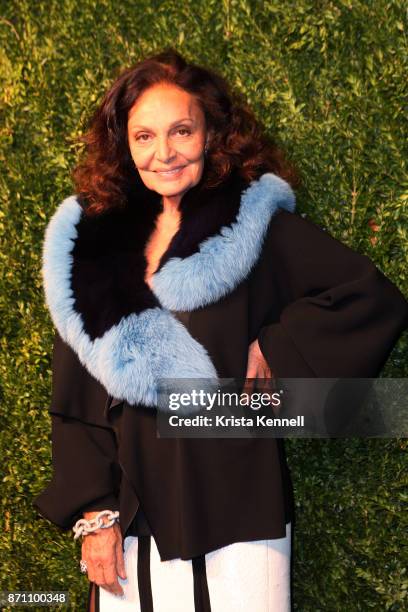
x=84, y=526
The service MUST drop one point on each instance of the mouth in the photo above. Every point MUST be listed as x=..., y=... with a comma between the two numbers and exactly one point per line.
x=173, y=172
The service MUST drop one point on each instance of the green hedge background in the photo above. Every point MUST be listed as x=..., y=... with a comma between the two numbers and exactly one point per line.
x=329, y=81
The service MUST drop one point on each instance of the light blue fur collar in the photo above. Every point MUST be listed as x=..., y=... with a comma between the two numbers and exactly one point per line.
x=223, y=261
x=130, y=357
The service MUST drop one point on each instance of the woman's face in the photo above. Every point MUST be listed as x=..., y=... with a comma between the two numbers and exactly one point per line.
x=166, y=130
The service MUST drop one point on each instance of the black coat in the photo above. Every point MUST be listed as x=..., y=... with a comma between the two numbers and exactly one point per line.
x=242, y=266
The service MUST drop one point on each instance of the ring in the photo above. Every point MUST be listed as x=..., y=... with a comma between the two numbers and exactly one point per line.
x=83, y=566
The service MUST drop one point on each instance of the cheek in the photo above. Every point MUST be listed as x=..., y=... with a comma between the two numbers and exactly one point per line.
x=198, y=149
x=132, y=150
x=191, y=149
x=195, y=171
x=135, y=152
x=139, y=151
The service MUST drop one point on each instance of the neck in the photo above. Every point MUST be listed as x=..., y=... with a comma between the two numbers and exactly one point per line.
x=171, y=204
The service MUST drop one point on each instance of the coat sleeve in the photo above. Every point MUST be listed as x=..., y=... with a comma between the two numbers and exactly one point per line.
x=339, y=315
x=86, y=475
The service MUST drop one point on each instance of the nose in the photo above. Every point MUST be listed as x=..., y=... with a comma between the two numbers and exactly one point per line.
x=164, y=152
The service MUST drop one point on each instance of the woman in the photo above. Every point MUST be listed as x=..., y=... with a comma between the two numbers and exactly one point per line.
x=181, y=256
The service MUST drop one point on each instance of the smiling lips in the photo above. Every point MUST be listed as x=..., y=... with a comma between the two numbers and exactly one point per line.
x=173, y=172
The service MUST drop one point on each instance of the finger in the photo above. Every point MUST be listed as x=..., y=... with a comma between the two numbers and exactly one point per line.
x=120, y=560
x=247, y=387
x=265, y=371
x=95, y=572
x=111, y=579
x=267, y=385
x=270, y=372
x=252, y=369
x=263, y=374
x=91, y=574
x=90, y=565
x=260, y=383
x=249, y=378
x=111, y=587
x=267, y=375
x=99, y=575
x=254, y=373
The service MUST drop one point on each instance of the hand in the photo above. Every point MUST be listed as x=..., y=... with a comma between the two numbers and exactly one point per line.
x=257, y=367
x=103, y=554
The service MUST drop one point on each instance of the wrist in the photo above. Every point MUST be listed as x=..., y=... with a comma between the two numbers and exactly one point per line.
x=90, y=514
x=92, y=524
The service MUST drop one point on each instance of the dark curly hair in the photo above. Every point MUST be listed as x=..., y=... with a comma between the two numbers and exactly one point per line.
x=103, y=176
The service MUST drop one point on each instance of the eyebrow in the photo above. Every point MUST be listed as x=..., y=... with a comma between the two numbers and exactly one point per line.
x=171, y=125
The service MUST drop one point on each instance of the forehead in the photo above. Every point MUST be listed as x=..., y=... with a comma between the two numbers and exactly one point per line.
x=163, y=103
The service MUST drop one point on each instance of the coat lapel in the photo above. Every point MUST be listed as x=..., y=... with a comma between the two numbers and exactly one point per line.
x=93, y=274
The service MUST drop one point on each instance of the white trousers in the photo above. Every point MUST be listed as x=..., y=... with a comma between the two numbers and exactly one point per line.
x=241, y=577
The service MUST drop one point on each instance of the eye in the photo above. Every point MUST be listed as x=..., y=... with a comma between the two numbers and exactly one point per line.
x=184, y=129
x=141, y=137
